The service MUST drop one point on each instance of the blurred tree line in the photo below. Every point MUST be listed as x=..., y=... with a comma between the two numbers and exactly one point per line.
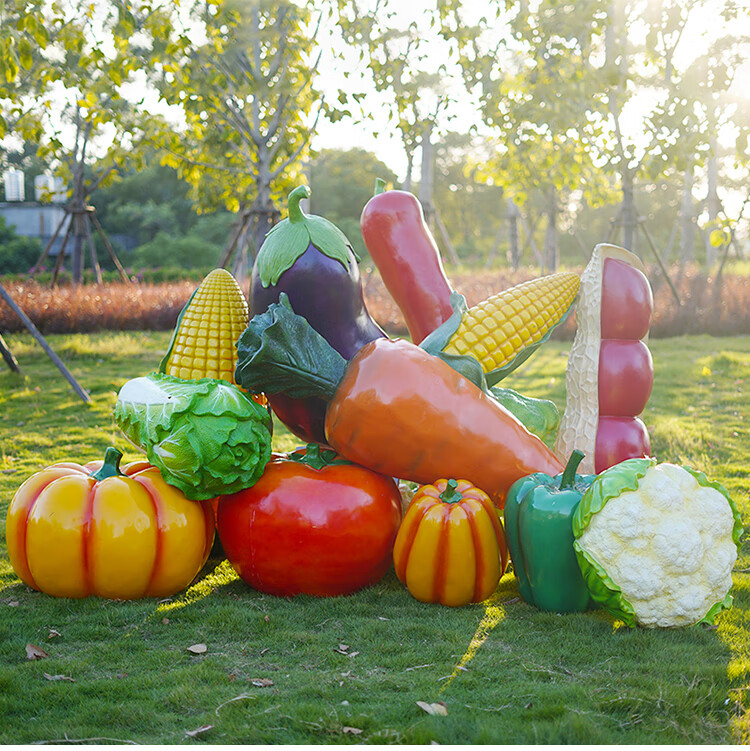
x=184, y=123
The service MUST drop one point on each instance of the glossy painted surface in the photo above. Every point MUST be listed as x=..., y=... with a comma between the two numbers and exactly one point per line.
x=451, y=553
x=618, y=439
x=300, y=530
x=122, y=537
x=627, y=301
x=329, y=296
x=626, y=377
x=538, y=528
x=407, y=414
x=626, y=369
x=402, y=247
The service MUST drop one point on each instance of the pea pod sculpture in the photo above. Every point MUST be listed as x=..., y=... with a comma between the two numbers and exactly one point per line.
x=610, y=371
x=539, y=529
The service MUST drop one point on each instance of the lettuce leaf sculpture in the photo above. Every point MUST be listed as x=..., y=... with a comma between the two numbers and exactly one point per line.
x=205, y=436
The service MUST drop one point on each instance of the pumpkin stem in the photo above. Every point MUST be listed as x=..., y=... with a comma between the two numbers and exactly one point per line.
x=569, y=473
x=111, y=466
x=451, y=493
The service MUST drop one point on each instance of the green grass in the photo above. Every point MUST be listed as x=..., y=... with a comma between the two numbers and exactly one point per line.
x=506, y=672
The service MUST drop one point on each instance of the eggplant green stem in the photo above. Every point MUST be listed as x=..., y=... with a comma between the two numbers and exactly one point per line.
x=451, y=494
x=569, y=473
x=111, y=466
x=295, y=210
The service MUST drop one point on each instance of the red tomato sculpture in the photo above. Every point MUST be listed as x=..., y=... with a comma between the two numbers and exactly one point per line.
x=313, y=524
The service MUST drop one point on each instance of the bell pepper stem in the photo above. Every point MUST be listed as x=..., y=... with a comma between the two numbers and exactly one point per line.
x=111, y=466
x=569, y=473
x=451, y=494
x=295, y=210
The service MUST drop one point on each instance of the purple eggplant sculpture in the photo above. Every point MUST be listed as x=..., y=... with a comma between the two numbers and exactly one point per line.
x=311, y=260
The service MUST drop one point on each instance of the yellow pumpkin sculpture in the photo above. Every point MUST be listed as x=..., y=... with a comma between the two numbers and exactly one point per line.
x=78, y=530
x=450, y=547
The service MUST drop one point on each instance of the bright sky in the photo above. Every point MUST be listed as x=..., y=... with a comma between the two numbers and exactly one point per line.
x=378, y=134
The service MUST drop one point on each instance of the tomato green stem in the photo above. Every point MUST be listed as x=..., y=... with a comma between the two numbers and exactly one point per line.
x=111, y=466
x=316, y=457
x=379, y=186
x=569, y=473
x=451, y=493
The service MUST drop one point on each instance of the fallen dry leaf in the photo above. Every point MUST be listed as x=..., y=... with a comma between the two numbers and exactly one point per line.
x=198, y=649
x=35, y=653
x=351, y=731
x=198, y=731
x=13, y=604
x=343, y=647
x=261, y=682
x=53, y=633
x=436, y=708
x=164, y=621
x=59, y=678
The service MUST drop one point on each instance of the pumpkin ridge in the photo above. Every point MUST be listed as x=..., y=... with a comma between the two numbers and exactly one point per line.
x=403, y=560
x=153, y=495
x=87, y=537
x=23, y=530
x=442, y=552
x=481, y=564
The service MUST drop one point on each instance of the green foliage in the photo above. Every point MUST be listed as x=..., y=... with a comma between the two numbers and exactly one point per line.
x=246, y=93
x=188, y=252
x=152, y=206
x=17, y=253
x=342, y=182
x=506, y=672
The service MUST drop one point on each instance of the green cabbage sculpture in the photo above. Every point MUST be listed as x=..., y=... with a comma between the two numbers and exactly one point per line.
x=205, y=436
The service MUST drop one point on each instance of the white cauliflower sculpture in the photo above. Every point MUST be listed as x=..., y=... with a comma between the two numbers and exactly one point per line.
x=657, y=543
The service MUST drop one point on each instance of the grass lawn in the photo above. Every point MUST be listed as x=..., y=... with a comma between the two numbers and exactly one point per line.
x=351, y=670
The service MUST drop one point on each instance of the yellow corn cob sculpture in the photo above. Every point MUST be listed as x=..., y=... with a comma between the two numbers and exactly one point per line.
x=498, y=330
x=204, y=341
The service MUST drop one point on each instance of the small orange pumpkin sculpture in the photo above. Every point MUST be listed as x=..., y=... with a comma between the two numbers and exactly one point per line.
x=78, y=530
x=450, y=547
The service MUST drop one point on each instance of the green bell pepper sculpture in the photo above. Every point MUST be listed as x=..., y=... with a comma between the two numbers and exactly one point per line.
x=538, y=526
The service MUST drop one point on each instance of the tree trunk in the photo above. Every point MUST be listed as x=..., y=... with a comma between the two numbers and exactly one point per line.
x=629, y=219
x=550, y=235
x=713, y=204
x=687, y=219
x=409, y=169
x=514, y=248
x=426, y=177
x=79, y=236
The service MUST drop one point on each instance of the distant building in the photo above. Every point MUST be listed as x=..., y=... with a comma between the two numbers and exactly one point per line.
x=41, y=217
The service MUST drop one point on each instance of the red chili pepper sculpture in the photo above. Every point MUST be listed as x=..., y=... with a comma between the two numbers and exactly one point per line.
x=402, y=247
